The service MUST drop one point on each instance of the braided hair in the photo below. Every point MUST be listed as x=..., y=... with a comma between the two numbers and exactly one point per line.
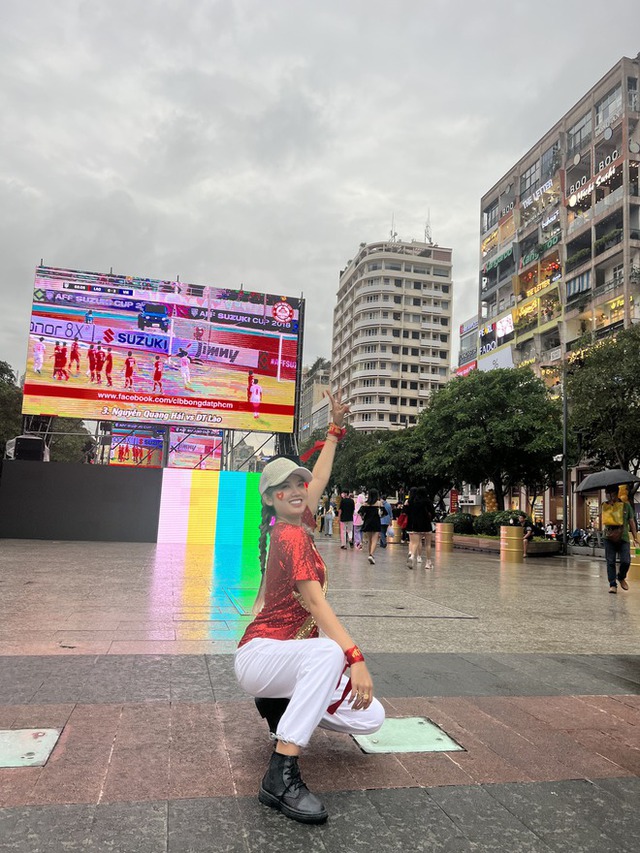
x=266, y=521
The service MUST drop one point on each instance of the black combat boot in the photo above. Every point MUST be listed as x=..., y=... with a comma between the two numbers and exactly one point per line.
x=282, y=788
x=272, y=710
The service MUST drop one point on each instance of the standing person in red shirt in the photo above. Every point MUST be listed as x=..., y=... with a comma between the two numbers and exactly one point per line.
x=100, y=359
x=157, y=375
x=249, y=384
x=63, y=361
x=57, y=361
x=74, y=356
x=129, y=365
x=91, y=356
x=108, y=366
x=281, y=653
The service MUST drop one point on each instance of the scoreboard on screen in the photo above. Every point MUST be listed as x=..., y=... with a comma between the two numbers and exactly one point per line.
x=109, y=347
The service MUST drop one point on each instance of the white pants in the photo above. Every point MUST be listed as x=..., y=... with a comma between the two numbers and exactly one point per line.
x=346, y=532
x=310, y=674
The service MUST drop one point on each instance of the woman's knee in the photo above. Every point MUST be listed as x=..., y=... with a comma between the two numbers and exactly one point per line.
x=375, y=716
x=330, y=653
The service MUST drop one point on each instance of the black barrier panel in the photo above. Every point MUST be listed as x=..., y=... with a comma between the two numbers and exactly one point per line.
x=96, y=503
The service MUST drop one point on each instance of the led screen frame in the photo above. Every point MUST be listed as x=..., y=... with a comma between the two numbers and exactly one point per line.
x=163, y=352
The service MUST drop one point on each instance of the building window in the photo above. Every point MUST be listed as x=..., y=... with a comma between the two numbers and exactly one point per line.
x=443, y=272
x=579, y=284
x=579, y=134
x=490, y=216
x=395, y=350
x=530, y=179
x=550, y=160
x=632, y=94
x=415, y=368
x=609, y=108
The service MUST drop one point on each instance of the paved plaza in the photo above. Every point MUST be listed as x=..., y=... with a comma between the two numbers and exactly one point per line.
x=533, y=668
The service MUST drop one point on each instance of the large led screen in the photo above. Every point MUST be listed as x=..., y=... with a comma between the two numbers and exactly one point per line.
x=137, y=447
x=116, y=348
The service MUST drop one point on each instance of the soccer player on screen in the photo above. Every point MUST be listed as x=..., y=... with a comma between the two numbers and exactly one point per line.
x=108, y=366
x=129, y=365
x=157, y=375
x=74, y=356
x=63, y=361
x=100, y=359
x=256, y=397
x=91, y=355
x=185, y=362
x=39, y=350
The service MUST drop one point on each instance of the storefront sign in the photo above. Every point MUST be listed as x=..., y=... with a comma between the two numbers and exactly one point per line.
x=502, y=358
x=467, y=368
x=535, y=196
x=581, y=189
x=469, y=326
x=489, y=243
x=498, y=260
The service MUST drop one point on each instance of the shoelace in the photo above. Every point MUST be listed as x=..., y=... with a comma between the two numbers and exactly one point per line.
x=296, y=783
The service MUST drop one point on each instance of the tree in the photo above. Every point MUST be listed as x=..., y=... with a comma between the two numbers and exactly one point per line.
x=501, y=425
x=10, y=406
x=604, y=397
x=69, y=442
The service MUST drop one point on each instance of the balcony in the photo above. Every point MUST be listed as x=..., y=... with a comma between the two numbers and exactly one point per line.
x=434, y=327
x=605, y=204
x=550, y=355
x=580, y=221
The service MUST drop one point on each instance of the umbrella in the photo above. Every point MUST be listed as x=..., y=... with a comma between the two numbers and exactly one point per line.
x=608, y=477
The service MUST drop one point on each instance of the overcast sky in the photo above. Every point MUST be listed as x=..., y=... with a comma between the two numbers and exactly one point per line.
x=260, y=141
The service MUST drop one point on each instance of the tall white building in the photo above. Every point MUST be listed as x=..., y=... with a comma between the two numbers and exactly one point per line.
x=392, y=331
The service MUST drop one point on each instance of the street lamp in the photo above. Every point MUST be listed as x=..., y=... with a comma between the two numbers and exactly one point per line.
x=565, y=461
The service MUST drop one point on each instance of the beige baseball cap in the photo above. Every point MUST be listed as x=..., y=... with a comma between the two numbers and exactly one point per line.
x=276, y=472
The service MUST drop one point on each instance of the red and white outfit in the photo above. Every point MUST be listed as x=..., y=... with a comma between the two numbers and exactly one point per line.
x=255, y=395
x=100, y=359
x=38, y=355
x=282, y=656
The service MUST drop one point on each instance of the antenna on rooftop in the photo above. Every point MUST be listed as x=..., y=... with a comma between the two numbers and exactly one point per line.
x=428, y=236
x=393, y=236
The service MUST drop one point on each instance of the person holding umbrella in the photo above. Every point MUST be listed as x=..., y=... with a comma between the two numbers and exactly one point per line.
x=618, y=521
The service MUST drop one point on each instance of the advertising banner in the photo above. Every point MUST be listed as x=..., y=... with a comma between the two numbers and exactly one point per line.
x=109, y=347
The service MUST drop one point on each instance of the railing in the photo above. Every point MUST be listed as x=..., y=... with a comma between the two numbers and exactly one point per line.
x=580, y=221
x=549, y=355
x=608, y=201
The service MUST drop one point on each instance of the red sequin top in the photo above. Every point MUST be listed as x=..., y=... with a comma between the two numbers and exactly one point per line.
x=292, y=557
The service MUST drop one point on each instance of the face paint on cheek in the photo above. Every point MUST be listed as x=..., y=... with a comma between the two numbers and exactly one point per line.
x=279, y=495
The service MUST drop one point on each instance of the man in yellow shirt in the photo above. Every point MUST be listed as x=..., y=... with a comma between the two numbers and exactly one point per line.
x=617, y=521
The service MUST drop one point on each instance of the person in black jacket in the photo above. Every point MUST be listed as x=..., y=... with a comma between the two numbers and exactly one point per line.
x=419, y=510
x=371, y=526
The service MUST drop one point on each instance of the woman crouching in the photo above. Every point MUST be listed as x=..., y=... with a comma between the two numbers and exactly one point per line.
x=298, y=677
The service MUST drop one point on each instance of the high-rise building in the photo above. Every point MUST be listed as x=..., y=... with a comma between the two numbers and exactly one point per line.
x=392, y=331
x=560, y=243
x=560, y=233
x=315, y=381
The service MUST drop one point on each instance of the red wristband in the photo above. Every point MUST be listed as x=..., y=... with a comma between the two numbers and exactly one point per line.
x=339, y=432
x=354, y=655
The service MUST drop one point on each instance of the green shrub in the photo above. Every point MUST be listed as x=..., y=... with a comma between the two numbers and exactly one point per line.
x=485, y=524
x=503, y=518
x=462, y=522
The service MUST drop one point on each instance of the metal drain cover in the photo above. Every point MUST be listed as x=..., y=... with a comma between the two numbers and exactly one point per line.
x=407, y=734
x=26, y=747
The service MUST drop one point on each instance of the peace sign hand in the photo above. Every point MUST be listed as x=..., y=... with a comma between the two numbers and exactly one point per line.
x=338, y=409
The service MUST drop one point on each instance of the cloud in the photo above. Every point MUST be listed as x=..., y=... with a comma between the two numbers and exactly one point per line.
x=255, y=142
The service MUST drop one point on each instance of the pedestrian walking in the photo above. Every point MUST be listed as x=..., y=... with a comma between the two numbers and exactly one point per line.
x=385, y=521
x=345, y=518
x=370, y=514
x=419, y=512
x=329, y=516
x=617, y=522
x=298, y=677
x=357, y=520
